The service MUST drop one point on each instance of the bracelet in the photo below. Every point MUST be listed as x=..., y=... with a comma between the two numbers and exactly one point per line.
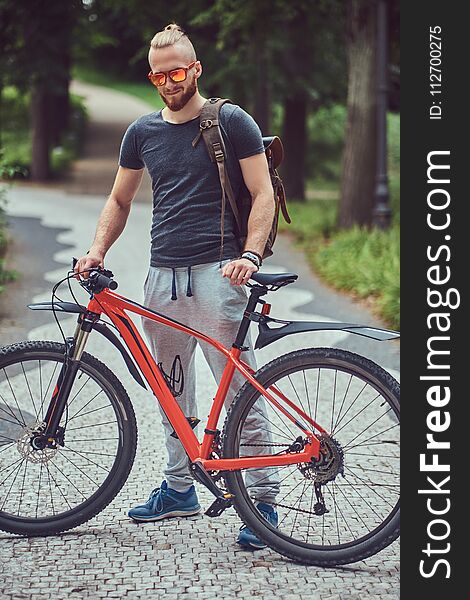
x=252, y=257
x=260, y=258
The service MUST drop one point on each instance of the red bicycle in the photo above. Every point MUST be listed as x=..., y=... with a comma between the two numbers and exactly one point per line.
x=329, y=448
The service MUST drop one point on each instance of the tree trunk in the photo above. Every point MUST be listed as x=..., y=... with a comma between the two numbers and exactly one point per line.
x=40, y=165
x=294, y=138
x=359, y=157
x=59, y=106
x=59, y=109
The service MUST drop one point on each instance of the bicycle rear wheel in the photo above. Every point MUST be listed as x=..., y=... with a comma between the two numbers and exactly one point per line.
x=344, y=507
x=45, y=491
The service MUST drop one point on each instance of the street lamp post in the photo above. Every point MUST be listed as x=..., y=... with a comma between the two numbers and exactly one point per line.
x=382, y=212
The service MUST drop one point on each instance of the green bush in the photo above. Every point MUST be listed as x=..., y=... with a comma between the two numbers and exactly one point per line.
x=366, y=264
x=312, y=221
x=326, y=132
x=325, y=142
x=5, y=274
x=16, y=136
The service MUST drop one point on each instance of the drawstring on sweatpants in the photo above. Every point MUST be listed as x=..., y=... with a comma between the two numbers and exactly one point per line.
x=189, y=291
x=173, y=285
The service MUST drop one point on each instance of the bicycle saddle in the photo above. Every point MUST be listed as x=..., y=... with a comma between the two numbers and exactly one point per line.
x=275, y=279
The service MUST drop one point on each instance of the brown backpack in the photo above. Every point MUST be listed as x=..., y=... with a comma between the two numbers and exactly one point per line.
x=241, y=206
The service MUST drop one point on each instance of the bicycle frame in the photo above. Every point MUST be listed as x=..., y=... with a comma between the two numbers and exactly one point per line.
x=116, y=308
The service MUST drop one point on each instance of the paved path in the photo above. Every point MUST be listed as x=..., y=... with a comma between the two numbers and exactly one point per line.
x=194, y=557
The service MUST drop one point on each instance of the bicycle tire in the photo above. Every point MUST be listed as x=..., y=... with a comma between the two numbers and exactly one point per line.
x=303, y=543
x=24, y=372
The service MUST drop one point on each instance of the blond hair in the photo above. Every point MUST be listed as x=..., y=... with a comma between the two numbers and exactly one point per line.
x=173, y=35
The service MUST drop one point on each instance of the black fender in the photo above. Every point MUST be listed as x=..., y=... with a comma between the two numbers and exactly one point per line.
x=70, y=307
x=268, y=335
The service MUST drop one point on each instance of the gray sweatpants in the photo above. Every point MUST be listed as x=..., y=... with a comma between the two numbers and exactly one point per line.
x=207, y=302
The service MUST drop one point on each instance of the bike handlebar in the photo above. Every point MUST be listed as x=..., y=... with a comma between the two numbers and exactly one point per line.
x=98, y=279
x=102, y=280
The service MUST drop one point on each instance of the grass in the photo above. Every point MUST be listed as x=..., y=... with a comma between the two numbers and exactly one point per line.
x=145, y=90
x=5, y=274
x=365, y=264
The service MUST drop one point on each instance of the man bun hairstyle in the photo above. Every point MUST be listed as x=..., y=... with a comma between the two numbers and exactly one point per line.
x=173, y=35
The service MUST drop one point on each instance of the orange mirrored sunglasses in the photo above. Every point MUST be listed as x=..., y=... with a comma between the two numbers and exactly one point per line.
x=176, y=75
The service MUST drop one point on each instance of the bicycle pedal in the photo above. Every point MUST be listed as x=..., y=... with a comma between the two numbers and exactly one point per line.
x=219, y=505
x=193, y=421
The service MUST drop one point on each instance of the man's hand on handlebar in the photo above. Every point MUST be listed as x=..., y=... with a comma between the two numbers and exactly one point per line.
x=89, y=261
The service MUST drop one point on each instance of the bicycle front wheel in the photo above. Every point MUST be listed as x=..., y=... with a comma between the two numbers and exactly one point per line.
x=344, y=506
x=45, y=491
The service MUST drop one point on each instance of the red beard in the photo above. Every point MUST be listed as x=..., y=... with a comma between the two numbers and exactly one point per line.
x=179, y=101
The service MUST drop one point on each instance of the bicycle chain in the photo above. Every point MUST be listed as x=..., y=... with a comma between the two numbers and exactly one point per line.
x=307, y=512
x=266, y=445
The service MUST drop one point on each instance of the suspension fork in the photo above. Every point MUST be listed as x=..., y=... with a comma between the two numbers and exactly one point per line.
x=74, y=347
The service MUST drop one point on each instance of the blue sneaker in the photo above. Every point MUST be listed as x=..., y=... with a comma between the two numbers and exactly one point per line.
x=247, y=538
x=164, y=502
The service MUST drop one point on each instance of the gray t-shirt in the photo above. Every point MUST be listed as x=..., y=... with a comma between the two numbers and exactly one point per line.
x=185, y=183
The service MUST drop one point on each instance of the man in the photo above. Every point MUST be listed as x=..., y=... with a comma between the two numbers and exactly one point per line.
x=192, y=277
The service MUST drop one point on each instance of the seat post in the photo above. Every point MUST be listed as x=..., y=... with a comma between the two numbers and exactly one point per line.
x=256, y=292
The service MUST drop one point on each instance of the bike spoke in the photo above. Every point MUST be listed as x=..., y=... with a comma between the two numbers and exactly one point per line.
x=298, y=505
x=23, y=422
x=60, y=490
x=85, y=405
x=68, y=479
x=295, y=392
x=39, y=490
x=75, y=441
x=334, y=400
x=306, y=393
x=22, y=486
x=81, y=470
x=355, y=488
x=52, y=378
x=356, y=415
x=50, y=487
x=29, y=390
x=10, y=412
x=370, y=487
x=317, y=395
x=10, y=465
x=363, y=443
x=349, y=407
x=342, y=404
x=89, y=426
x=88, y=452
x=353, y=508
x=12, y=422
x=336, y=513
x=16, y=471
x=87, y=413
x=6, y=446
x=78, y=392
x=280, y=433
x=86, y=458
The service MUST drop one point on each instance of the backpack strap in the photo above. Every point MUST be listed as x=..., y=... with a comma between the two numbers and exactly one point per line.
x=209, y=130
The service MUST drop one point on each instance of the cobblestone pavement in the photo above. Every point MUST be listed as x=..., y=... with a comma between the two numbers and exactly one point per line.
x=194, y=557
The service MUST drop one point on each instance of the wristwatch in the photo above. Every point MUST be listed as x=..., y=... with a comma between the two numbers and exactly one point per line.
x=254, y=257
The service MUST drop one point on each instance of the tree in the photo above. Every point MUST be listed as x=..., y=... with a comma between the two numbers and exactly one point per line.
x=36, y=58
x=359, y=157
x=290, y=53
